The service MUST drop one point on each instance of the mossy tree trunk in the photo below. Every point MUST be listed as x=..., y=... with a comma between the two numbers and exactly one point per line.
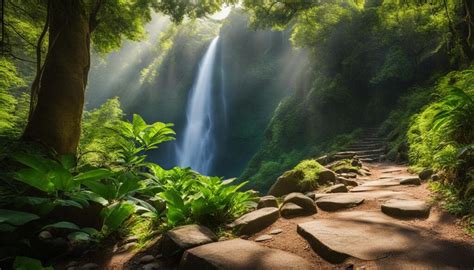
x=55, y=121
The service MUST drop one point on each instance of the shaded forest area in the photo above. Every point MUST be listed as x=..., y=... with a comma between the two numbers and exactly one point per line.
x=304, y=78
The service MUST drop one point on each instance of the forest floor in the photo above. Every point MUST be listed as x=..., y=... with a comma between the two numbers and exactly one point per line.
x=434, y=242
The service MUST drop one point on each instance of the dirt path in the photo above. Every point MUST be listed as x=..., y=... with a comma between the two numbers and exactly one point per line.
x=436, y=242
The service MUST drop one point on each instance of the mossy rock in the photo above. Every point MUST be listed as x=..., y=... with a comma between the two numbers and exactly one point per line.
x=345, y=166
x=306, y=176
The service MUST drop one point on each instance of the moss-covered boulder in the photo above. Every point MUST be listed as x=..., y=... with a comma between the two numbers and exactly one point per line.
x=345, y=166
x=306, y=176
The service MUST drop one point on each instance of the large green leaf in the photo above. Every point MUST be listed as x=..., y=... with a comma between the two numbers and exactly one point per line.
x=96, y=174
x=128, y=183
x=116, y=214
x=26, y=263
x=35, y=178
x=138, y=124
x=63, y=225
x=16, y=218
x=33, y=161
x=107, y=191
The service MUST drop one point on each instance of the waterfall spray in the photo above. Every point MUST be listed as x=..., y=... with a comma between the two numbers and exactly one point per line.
x=197, y=147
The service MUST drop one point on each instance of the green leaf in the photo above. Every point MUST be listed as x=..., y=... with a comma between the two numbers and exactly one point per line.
x=26, y=263
x=90, y=231
x=79, y=236
x=96, y=174
x=7, y=227
x=128, y=183
x=63, y=225
x=67, y=161
x=16, y=218
x=68, y=203
x=106, y=191
x=116, y=214
x=33, y=161
x=61, y=178
x=138, y=124
x=35, y=179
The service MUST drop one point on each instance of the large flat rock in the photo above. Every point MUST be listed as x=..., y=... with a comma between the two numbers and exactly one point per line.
x=240, y=254
x=406, y=208
x=181, y=238
x=339, y=201
x=365, y=235
x=256, y=221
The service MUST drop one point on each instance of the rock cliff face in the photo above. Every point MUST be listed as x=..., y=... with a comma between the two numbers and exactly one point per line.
x=254, y=71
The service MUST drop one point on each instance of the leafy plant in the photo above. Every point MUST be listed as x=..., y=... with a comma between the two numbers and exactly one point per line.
x=456, y=115
x=191, y=197
x=138, y=137
x=26, y=263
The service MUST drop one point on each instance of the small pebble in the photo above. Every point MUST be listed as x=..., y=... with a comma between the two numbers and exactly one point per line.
x=263, y=238
x=146, y=259
x=276, y=231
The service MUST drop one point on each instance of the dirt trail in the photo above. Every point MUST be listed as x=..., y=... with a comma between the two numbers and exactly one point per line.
x=438, y=242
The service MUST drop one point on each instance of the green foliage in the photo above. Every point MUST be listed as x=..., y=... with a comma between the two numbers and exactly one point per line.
x=138, y=137
x=193, y=198
x=10, y=219
x=10, y=106
x=26, y=263
x=99, y=144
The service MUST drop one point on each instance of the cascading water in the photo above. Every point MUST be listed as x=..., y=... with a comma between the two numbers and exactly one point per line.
x=197, y=147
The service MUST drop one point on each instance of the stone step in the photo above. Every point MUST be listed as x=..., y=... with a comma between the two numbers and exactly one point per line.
x=406, y=208
x=339, y=201
x=368, y=152
x=240, y=254
x=369, y=160
x=255, y=221
x=371, y=156
x=362, y=148
x=365, y=235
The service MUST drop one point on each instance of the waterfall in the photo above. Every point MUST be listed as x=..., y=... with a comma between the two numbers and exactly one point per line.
x=197, y=146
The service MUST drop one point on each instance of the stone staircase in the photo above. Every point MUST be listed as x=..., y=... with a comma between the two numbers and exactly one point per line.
x=369, y=148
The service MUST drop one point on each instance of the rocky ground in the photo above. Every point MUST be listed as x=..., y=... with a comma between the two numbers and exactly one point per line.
x=377, y=216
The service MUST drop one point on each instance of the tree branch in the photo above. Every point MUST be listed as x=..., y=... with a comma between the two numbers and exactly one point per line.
x=93, y=22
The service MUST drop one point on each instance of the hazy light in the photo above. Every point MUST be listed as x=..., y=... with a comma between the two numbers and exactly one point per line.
x=222, y=14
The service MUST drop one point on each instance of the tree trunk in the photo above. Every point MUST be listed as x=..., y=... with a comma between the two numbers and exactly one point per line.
x=56, y=118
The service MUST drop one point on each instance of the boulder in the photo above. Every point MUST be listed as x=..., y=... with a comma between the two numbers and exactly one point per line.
x=347, y=181
x=337, y=189
x=177, y=240
x=410, y=181
x=267, y=201
x=426, y=174
x=327, y=176
x=289, y=210
x=435, y=177
x=406, y=208
x=339, y=201
x=302, y=201
x=255, y=221
x=240, y=254
x=287, y=183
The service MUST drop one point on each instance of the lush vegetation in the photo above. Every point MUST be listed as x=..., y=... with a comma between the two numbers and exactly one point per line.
x=365, y=55
x=432, y=127
x=72, y=178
